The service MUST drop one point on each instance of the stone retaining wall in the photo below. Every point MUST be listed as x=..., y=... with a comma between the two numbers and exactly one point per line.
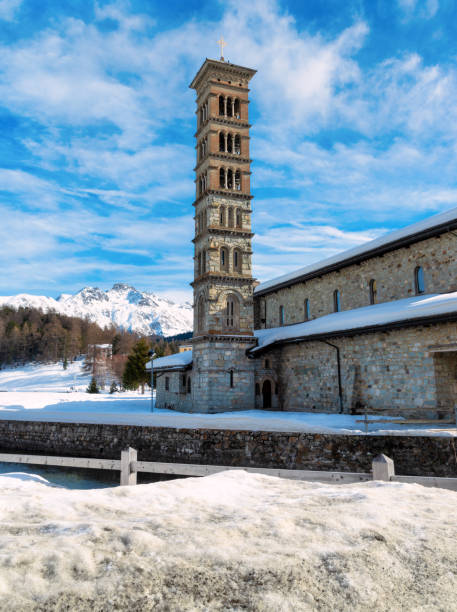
x=413, y=455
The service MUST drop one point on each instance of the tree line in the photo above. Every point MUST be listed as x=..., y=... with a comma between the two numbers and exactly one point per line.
x=31, y=335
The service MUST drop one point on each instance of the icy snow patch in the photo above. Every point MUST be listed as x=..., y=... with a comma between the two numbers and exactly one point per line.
x=228, y=542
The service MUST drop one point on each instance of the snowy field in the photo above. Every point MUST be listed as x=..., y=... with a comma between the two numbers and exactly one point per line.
x=233, y=541
x=49, y=393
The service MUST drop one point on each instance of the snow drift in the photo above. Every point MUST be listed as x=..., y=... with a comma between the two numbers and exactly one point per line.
x=232, y=541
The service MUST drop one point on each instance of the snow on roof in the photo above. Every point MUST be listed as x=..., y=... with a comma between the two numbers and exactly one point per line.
x=177, y=361
x=368, y=316
x=391, y=237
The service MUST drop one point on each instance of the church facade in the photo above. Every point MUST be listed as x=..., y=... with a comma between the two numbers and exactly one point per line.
x=373, y=329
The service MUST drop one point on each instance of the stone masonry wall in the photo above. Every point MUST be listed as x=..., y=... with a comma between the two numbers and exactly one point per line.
x=412, y=455
x=393, y=272
x=396, y=372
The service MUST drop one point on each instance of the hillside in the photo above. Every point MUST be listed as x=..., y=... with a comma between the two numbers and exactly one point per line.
x=122, y=306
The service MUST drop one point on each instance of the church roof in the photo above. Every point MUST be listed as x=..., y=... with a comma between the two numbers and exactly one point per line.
x=178, y=361
x=416, y=310
x=421, y=230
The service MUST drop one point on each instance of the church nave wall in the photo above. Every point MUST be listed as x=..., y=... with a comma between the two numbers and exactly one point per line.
x=393, y=272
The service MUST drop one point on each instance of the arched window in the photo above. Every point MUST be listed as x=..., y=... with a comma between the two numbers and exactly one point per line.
x=419, y=280
x=230, y=217
x=237, y=145
x=231, y=379
x=221, y=105
x=222, y=177
x=222, y=216
x=229, y=184
x=236, y=107
x=238, y=218
x=267, y=364
x=229, y=107
x=229, y=143
x=232, y=312
x=224, y=259
x=238, y=180
x=373, y=291
x=306, y=309
x=237, y=260
x=336, y=301
x=199, y=264
x=281, y=315
x=221, y=141
x=200, y=313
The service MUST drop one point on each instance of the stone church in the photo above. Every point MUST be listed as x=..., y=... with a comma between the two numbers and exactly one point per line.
x=373, y=329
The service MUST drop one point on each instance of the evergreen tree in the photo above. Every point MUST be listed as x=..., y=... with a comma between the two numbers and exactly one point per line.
x=93, y=387
x=135, y=373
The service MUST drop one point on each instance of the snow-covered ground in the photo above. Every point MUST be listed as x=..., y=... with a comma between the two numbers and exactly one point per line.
x=42, y=393
x=233, y=541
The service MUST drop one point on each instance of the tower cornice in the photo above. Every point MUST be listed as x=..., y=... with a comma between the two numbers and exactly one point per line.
x=227, y=67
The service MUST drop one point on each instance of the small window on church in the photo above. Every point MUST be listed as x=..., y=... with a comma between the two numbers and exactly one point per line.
x=373, y=291
x=267, y=364
x=229, y=143
x=222, y=178
x=419, y=280
x=222, y=216
x=184, y=381
x=281, y=315
x=221, y=105
x=238, y=180
x=229, y=184
x=229, y=107
x=221, y=141
x=167, y=383
x=237, y=145
x=237, y=260
x=336, y=301
x=232, y=312
x=237, y=108
x=238, y=218
x=306, y=309
x=231, y=379
x=230, y=217
x=189, y=388
x=224, y=259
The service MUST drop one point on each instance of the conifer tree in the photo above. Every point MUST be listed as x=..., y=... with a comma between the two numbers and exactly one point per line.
x=135, y=373
x=93, y=387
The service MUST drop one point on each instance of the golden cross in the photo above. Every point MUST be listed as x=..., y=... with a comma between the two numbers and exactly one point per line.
x=222, y=44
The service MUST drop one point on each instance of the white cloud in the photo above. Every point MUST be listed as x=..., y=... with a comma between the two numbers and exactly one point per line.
x=9, y=8
x=425, y=9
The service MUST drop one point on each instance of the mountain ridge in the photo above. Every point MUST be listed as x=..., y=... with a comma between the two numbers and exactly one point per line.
x=123, y=306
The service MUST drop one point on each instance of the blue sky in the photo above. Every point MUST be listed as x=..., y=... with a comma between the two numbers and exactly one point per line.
x=354, y=131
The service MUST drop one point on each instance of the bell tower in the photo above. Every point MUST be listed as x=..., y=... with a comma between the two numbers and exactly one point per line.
x=223, y=377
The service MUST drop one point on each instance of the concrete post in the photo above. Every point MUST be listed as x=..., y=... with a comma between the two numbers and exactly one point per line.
x=383, y=468
x=128, y=475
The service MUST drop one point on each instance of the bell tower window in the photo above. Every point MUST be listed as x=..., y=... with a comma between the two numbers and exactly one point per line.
x=232, y=312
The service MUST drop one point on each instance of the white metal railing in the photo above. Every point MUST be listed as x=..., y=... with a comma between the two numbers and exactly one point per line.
x=128, y=466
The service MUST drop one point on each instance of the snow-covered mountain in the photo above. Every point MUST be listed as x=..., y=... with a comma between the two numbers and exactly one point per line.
x=123, y=306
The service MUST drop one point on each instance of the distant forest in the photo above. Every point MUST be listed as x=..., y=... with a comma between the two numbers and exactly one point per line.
x=28, y=334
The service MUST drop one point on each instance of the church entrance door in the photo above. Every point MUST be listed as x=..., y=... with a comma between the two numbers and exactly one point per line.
x=266, y=394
